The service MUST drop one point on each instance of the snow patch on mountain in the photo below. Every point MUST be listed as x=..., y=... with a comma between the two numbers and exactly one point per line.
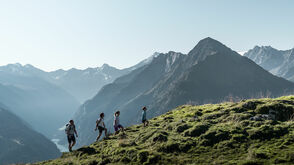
x=17, y=142
x=242, y=52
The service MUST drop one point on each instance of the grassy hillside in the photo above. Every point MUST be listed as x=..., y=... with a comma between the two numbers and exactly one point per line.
x=226, y=133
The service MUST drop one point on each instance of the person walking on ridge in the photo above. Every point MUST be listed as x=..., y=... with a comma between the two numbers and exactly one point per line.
x=100, y=125
x=116, y=123
x=70, y=130
x=144, y=117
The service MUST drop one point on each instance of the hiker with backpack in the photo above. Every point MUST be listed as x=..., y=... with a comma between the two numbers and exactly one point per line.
x=116, y=123
x=70, y=131
x=144, y=117
x=100, y=126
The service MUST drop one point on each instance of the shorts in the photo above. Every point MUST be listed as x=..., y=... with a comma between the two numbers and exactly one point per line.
x=101, y=129
x=116, y=127
x=71, y=138
x=144, y=120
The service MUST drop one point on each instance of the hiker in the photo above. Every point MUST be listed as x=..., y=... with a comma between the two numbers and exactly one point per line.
x=144, y=118
x=100, y=126
x=70, y=130
x=116, y=123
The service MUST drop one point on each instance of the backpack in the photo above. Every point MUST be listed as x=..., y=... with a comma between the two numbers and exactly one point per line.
x=67, y=128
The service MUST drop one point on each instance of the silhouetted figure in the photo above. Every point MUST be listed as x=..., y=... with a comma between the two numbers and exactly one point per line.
x=144, y=117
x=70, y=130
x=100, y=126
x=116, y=123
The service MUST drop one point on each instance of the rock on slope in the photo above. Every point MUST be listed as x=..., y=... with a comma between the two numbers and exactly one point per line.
x=20, y=144
x=257, y=131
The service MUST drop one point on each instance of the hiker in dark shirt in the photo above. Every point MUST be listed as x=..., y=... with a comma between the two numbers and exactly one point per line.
x=70, y=130
x=144, y=117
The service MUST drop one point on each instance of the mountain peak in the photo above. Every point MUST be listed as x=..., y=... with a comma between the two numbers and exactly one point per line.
x=267, y=47
x=263, y=48
x=208, y=44
x=206, y=47
x=208, y=40
x=18, y=64
x=14, y=65
x=29, y=66
x=256, y=47
x=105, y=66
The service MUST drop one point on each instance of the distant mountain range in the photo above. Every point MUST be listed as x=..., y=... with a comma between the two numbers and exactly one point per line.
x=20, y=143
x=82, y=84
x=209, y=73
x=41, y=97
x=45, y=106
x=46, y=101
x=278, y=62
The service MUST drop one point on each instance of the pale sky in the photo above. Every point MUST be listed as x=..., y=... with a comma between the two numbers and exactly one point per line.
x=54, y=34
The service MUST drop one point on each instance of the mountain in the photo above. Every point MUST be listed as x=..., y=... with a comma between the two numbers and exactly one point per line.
x=219, y=72
x=84, y=84
x=278, y=62
x=124, y=90
x=20, y=143
x=210, y=73
x=247, y=132
x=43, y=105
x=32, y=92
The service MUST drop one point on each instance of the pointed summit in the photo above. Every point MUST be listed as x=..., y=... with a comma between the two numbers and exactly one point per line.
x=28, y=66
x=263, y=48
x=106, y=68
x=208, y=44
x=205, y=48
x=105, y=65
x=209, y=40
